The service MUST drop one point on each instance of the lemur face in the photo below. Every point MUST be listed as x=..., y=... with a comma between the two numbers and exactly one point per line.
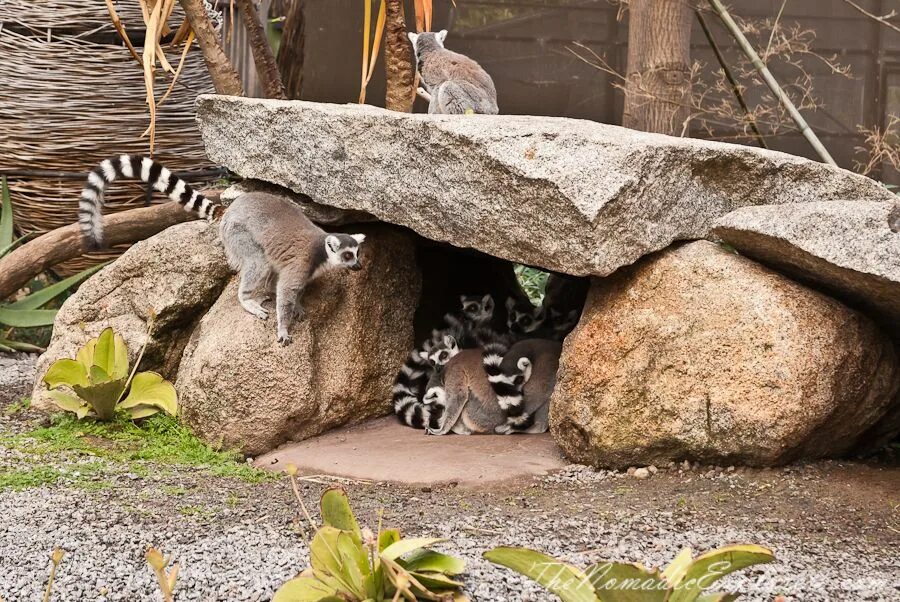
x=443, y=352
x=523, y=320
x=477, y=309
x=563, y=321
x=342, y=250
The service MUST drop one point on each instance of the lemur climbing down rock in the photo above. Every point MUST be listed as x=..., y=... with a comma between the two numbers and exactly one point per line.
x=267, y=239
x=452, y=83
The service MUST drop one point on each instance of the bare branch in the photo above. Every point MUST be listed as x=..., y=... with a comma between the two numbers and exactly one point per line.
x=883, y=19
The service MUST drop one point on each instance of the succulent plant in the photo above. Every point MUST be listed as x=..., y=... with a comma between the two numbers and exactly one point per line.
x=99, y=377
x=350, y=564
x=685, y=580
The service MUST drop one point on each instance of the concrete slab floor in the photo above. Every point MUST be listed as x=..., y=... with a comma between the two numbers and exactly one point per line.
x=385, y=450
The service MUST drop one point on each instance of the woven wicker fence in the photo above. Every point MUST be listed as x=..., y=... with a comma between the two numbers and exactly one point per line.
x=71, y=96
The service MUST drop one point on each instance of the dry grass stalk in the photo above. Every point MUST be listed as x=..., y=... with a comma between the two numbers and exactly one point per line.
x=881, y=147
x=370, y=50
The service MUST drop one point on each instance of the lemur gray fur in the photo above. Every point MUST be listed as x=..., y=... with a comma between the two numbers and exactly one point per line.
x=469, y=329
x=467, y=400
x=453, y=84
x=267, y=239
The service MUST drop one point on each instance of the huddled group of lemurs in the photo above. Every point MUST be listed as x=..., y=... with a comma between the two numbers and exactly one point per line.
x=489, y=368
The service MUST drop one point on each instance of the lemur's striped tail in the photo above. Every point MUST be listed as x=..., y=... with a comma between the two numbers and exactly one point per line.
x=507, y=385
x=90, y=207
x=409, y=386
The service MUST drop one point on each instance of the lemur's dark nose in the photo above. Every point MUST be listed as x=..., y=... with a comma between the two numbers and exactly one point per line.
x=356, y=266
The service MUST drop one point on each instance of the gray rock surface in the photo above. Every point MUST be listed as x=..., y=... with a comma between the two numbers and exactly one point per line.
x=701, y=354
x=847, y=248
x=175, y=275
x=238, y=387
x=16, y=376
x=317, y=212
x=563, y=194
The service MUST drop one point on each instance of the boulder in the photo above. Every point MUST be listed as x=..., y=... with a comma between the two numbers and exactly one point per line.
x=698, y=353
x=847, y=248
x=569, y=195
x=237, y=386
x=175, y=276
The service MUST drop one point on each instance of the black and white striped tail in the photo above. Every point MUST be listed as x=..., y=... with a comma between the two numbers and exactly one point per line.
x=409, y=387
x=90, y=207
x=507, y=386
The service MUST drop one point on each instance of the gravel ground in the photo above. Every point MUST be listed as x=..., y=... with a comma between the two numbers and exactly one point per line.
x=834, y=527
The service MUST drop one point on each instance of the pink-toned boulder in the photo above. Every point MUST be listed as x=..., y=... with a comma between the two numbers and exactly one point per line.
x=698, y=353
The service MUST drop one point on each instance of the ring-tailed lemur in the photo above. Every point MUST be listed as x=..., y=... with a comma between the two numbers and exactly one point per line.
x=524, y=320
x=465, y=330
x=564, y=298
x=90, y=207
x=467, y=400
x=267, y=239
x=453, y=84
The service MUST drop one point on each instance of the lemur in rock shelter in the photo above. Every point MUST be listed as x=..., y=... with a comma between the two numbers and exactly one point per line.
x=556, y=317
x=452, y=83
x=466, y=401
x=467, y=330
x=267, y=239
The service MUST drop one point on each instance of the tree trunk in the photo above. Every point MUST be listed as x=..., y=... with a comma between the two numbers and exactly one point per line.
x=224, y=77
x=47, y=250
x=399, y=69
x=266, y=68
x=657, y=95
x=290, y=55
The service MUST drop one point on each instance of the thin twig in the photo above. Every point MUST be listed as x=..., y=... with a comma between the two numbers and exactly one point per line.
x=883, y=20
x=770, y=80
x=296, y=489
x=730, y=77
x=774, y=29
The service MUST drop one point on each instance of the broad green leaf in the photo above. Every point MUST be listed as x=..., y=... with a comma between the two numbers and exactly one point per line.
x=718, y=597
x=431, y=561
x=151, y=389
x=85, y=355
x=98, y=375
x=20, y=346
x=387, y=537
x=26, y=318
x=325, y=557
x=66, y=372
x=4, y=348
x=68, y=402
x=6, y=215
x=336, y=511
x=304, y=589
x=405, y=546
x=436, y=581
x=47, y=294
x=354, y=562
x=111, y=354
x=627, y=582
x=675, y=572
x=561, y=579
x=102, y=397
x=138, y=412
x=710, y=567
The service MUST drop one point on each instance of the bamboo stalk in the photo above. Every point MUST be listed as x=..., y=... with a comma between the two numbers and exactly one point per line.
x=770, y=80
x=730, y=77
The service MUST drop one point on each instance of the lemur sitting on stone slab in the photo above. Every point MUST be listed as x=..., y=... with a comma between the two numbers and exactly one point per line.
x=452, y=83
x=267, y=239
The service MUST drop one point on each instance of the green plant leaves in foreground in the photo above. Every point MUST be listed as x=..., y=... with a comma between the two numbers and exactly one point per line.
x=683, y=581
x=565, y=581
x=350, y=564
x=99, y=377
